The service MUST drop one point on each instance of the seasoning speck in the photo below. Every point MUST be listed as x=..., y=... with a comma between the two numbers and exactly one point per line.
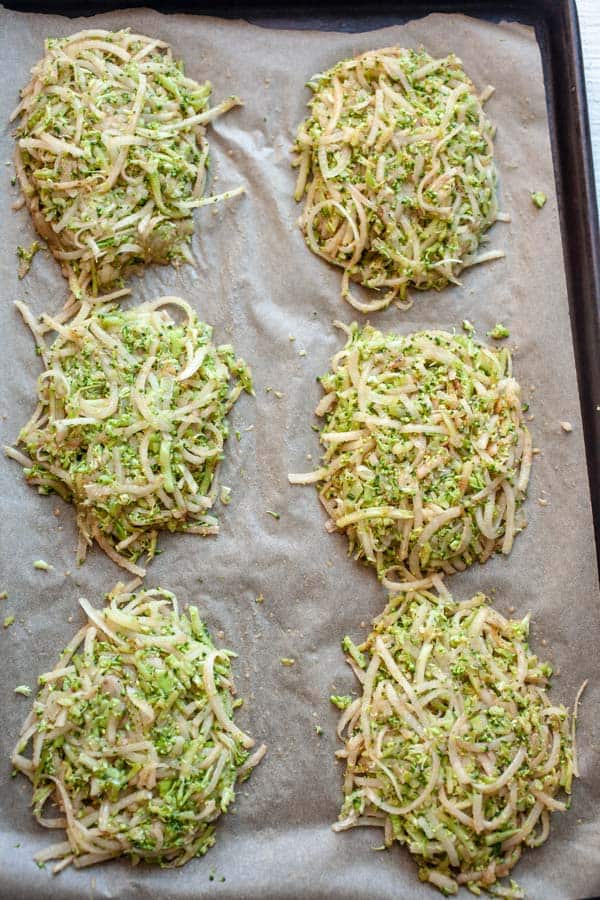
x=287, y=661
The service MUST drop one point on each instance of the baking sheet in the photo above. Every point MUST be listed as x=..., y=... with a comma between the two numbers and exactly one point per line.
x=258, y=284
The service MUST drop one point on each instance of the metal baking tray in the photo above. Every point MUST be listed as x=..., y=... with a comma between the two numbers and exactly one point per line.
x=557, y=30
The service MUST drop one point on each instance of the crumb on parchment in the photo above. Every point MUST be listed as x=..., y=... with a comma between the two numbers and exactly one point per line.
x=538, y=199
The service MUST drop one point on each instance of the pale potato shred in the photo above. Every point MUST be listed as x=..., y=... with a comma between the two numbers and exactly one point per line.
x=132, y=736
x=396, y=165
x=427, y=457
x=112, y=155
x=131, y=422
x=453, y=746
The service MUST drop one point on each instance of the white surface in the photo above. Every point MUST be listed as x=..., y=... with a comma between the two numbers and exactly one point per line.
x=589, y=22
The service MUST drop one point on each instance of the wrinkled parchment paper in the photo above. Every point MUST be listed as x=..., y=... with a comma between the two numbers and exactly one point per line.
x=258, y=283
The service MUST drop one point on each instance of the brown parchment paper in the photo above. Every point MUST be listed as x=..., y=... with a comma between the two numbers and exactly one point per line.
x=258, y=284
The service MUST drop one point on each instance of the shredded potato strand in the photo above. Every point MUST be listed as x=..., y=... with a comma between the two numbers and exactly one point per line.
x=131, y=423
x=427, y=457
x=111, y=154
x=453, y=747
x=125, y=741
x=396, y=168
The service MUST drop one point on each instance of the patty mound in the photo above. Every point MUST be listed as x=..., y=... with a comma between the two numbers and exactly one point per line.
x=132, y=736
x=112, y=155
x=427, y=456
x=396, y=162
x=131, y=423
x=453, y=747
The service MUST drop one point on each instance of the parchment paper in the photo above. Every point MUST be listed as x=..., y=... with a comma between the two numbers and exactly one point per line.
x=259, y=284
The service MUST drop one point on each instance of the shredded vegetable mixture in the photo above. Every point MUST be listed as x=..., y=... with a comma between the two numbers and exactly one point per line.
x=132, y=736
x=427, y=457
x=112, y=156
x=453, y=746
x=131, y=422
x=396, y=161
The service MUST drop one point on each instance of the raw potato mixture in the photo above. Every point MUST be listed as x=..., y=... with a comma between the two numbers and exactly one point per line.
x=454, y=747
x=397, y=165
x=427, y=457
x=112, y=154
x=132, y=735
x=131, y=423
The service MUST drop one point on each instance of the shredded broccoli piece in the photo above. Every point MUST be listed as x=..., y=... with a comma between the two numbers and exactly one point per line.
x=349, y=647
x=499, y=332
x=539, y=199
x=26, y=257
x=23, y=689
x=341, y=701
